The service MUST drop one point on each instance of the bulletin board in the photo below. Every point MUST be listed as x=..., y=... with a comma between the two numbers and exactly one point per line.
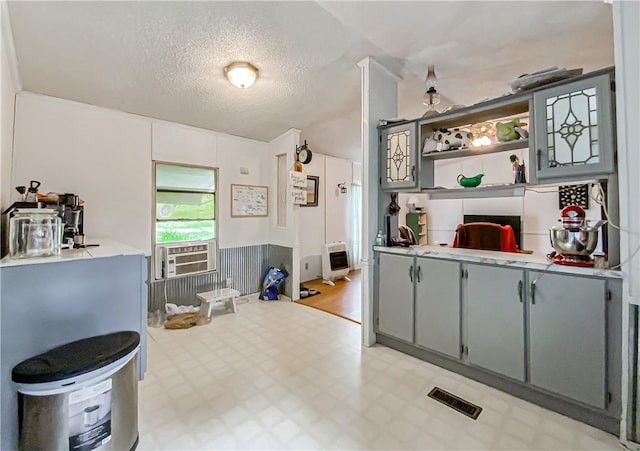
x=249, y=201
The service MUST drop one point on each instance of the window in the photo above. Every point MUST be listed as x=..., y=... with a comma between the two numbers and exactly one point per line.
x=282, y=190
x=185, y=203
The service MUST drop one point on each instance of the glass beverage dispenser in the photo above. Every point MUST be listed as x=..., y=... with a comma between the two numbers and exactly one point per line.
x=34, y=232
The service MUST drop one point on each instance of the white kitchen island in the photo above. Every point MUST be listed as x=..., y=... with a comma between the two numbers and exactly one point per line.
x=47, y=302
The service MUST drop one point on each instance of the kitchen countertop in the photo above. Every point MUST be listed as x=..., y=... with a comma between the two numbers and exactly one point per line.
x=528, y=261
x=106, y=248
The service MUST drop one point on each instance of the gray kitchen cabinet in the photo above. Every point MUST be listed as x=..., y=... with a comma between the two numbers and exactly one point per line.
x=395, y=296
x=495, y=319
x=567, y=336
x=399, y=165
x=573, y=126
x=437, y=307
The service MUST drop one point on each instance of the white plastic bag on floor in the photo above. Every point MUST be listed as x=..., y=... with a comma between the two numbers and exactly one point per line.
x=173, y=309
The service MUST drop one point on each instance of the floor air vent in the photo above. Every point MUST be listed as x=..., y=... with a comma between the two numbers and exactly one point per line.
x=456, y=403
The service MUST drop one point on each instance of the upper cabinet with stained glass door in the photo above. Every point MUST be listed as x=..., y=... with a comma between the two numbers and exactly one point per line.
x=399, y=157
x=574, y=130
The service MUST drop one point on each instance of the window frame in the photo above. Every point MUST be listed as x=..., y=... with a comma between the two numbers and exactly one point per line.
x=216, y=198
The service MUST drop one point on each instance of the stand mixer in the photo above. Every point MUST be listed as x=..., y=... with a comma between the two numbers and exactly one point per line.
x=574, y=240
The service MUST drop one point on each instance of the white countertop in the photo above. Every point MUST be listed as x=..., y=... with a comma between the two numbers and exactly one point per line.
x=106, y=248
x=528, y=261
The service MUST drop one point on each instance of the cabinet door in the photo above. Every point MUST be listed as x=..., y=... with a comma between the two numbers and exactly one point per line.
x=399, y=162
x=567, y=340
x=573, y=129
x=395, y=296
x=438, y=305
x=495, y=319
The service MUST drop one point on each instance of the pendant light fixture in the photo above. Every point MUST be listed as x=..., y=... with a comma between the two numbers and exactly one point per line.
x=241, y=74
x=431, y=97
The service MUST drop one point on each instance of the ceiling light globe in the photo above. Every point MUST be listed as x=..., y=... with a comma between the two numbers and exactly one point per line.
x=431, y=81
x=241, y=74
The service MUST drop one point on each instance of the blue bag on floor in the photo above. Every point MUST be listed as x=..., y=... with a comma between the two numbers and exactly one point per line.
x=271, y=282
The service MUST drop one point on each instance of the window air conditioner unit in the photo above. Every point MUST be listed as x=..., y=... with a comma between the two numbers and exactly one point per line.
x=183, y=259
x=335, y=262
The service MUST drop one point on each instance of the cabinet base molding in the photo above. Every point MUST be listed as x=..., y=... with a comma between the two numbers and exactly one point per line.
x=606, y=421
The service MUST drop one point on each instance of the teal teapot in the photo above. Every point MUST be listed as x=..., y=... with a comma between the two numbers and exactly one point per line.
x=470, y=182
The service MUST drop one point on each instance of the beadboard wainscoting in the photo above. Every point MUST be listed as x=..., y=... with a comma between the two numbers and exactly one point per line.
x=245, y=265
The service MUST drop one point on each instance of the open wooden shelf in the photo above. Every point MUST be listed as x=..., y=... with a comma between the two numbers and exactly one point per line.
x=509, y=190
x=473, y=151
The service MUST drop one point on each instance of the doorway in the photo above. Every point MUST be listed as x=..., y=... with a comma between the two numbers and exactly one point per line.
x=343, y=299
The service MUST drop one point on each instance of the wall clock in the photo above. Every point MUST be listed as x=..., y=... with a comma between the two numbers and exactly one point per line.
x=304, y=153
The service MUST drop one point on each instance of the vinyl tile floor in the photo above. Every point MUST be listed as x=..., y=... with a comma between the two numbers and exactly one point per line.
x=279, y=375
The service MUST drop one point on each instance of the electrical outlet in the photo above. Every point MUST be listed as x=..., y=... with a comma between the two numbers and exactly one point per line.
x=306, y=266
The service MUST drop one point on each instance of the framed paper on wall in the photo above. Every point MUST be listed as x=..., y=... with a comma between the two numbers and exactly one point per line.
x=249, y=201
x=312, y=191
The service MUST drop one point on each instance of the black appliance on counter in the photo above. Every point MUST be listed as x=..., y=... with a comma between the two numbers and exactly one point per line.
x=392, y=231
x=71, y=213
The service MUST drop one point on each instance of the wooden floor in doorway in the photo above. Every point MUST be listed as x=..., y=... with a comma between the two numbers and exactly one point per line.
x=342, y=300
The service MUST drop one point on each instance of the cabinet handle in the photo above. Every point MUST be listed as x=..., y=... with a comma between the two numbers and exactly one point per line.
x=520, y=290
x=533, y=291
x=411, y=273
x=419, y=274
x=413, y=172
x=539, y=158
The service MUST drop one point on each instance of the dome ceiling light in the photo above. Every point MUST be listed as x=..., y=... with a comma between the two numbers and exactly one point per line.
x=241, y=74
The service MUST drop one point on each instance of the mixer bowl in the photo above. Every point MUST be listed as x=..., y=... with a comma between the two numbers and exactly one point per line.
x=581, y=241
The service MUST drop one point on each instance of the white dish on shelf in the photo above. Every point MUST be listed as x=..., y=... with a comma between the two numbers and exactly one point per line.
x=541, y=78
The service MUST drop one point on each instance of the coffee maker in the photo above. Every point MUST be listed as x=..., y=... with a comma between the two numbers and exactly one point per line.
x=72, y=215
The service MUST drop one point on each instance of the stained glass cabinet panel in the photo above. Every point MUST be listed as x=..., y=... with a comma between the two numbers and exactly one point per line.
x=573, y=130
x=399, y=157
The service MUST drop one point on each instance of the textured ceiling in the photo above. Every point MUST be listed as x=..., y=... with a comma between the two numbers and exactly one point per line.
x=165, y=59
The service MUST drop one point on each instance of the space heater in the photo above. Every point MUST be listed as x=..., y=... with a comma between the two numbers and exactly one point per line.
x=335, y=262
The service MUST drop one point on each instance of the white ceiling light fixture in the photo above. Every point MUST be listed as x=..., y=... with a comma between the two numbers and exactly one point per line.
x=241, y=74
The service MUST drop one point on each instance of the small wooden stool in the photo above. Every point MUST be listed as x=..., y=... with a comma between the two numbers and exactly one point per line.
x=226, y=296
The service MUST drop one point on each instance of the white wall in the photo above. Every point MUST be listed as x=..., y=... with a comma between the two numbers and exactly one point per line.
x=106, y=156
x=284, y=144
x=312, y=224
x=175, y=143
x=233, y=154
x=102, y=155
x=7, y=101
x=337, y=204
x=330, y=220
x=288, y=235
